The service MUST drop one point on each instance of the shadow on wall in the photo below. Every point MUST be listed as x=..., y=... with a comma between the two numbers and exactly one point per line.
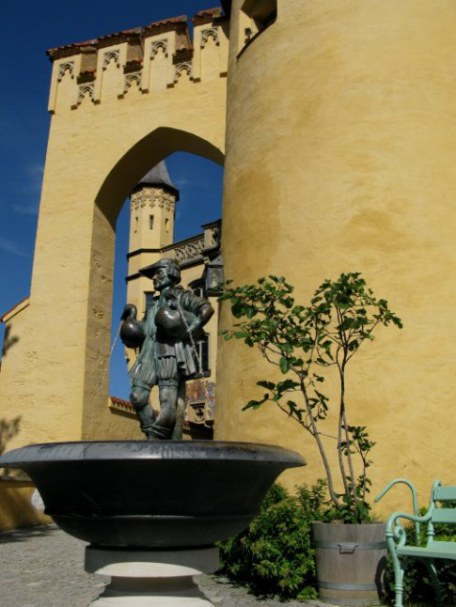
x=8, y=340
x=8, y=430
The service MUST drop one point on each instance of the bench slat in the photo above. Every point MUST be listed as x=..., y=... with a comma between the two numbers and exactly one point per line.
x=435, y=550
x=444, y=493
x=444, y=515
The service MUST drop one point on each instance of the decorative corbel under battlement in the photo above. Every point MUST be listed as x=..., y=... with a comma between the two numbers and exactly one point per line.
x=64, y=86
x=161, y=40
x=132, y=78
x=182, y=62
x=84, y=90
x=153, y=58
x=207, y=33
x=109, y=56
x=210, y=38
x=157, y=46
x=66, y=66
x=182, y=68
x=158, y=72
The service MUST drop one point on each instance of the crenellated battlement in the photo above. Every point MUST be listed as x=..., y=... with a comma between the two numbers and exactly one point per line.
x=141, y=60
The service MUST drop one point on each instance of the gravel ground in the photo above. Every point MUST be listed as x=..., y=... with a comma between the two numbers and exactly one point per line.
x=43, y=567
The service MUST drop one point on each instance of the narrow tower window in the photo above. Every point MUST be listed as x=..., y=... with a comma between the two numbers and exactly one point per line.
x=151, y=222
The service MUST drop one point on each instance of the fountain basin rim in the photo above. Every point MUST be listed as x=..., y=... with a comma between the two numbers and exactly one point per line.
x=152, y=494
x=56, y=452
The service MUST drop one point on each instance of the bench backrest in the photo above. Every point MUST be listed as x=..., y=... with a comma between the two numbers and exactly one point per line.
x=446, y=513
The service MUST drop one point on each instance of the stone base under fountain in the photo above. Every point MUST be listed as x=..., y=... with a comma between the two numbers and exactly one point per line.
x=151, y=578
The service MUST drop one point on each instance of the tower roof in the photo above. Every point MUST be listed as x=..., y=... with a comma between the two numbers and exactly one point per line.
x=158, y=176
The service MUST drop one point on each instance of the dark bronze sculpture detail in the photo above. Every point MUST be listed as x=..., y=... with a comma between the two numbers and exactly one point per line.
x=167, y=358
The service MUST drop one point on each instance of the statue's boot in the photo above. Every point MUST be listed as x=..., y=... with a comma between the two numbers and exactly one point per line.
x=159, y=432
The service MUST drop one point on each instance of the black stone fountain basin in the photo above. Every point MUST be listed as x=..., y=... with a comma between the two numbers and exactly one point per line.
x=146, y=494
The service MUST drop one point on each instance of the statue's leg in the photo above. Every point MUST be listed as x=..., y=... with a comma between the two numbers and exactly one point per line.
x=139, y=398
x=180, y=412
x=168, y=386
x=164, y=424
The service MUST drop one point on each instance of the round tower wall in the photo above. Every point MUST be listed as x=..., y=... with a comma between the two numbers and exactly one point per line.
x=340, y=153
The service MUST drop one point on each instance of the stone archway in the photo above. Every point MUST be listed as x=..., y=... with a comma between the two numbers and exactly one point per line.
x=116, y=187
x=104, y=136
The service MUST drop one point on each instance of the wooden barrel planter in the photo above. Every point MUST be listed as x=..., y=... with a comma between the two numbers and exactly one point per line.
x=351, y=562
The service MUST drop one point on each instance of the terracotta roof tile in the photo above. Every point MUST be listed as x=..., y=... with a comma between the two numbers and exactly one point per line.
x=121, y=401
x=164, y=25
x=208, y=15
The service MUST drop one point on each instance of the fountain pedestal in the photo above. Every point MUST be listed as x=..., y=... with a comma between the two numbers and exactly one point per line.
x=151, y=578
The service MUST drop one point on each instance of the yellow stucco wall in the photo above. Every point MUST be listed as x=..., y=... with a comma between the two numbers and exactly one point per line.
x=102, y=140
x=340, y=152
x=340, y=147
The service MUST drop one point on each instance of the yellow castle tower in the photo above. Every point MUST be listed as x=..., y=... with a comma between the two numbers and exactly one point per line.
x=152, y=215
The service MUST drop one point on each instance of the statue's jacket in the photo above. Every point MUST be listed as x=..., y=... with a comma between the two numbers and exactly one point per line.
x=159, y=347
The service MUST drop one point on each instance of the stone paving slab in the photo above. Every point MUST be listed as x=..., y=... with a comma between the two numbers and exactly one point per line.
x=43, y=567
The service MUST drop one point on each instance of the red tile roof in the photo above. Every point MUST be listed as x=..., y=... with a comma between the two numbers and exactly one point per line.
x=206, y=16
x=125, y=35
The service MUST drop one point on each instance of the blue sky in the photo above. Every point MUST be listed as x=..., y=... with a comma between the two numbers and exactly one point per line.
x=27, y=30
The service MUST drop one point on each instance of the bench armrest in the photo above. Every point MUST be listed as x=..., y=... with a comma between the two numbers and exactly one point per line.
x=395, y=531
x=413, y=491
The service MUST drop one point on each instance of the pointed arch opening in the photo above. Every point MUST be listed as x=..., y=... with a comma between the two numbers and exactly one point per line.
x=107, y=294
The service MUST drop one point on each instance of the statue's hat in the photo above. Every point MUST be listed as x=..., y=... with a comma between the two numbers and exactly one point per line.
x=168, y=263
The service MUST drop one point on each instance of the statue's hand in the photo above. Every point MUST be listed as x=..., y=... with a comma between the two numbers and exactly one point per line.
x=195, y=327
x=129, y=312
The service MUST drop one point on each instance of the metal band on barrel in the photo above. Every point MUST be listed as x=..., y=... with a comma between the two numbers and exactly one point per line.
x=333, y=586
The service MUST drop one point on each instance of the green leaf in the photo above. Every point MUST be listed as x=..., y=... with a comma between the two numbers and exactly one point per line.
x=287, y=384
x=286, y=348
x=269, y=385
x=284, y=364
x=255, y=404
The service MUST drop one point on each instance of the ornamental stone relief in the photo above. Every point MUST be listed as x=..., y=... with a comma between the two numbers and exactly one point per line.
x=159, y=45
x=111, y=56
x=148, y=193
x=143, y=199
x=211, y=32
x=83, y=90
x=137, y=204
x=162, y=204
x=181, y=68
x=132, y=78
x=68, y=66
x=189, y=250
x=213, y=237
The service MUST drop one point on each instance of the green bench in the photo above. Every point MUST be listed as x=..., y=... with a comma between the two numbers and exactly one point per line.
x=434, y=549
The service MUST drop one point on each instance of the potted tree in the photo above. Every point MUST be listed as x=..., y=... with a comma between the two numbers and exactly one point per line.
x=305, y=344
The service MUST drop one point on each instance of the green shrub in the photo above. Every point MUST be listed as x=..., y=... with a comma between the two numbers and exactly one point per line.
x=275, y=556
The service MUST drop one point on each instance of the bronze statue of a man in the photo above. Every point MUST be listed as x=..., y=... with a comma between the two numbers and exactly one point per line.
x=167, y=356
